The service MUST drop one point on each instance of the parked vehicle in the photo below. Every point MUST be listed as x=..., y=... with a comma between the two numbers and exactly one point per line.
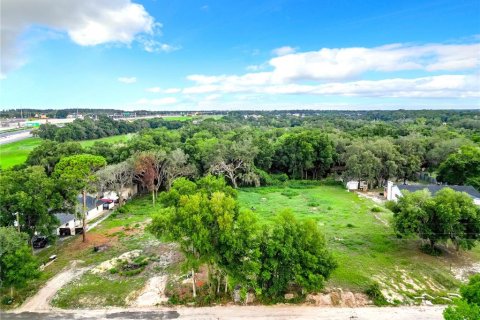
x=39, y=242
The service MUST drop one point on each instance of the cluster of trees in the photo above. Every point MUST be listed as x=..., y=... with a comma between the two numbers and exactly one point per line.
x=448, y=215
x=17, y=263
x=205, y=219
x=468, y=306
x=104, y=126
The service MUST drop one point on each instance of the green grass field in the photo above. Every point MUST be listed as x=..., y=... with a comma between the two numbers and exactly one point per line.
x=362, y=241
x=17, y=152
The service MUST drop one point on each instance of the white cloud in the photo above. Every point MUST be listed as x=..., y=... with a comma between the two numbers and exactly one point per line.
x=127, y=80
x=151, y=46
x=345, y=63
x=160, y=90
x=157, y=102
x=282, y=51
x=87, y=23
x=454, y=86
x=330, y=72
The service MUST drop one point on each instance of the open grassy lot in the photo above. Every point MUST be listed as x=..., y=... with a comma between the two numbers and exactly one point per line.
x=359, y=234
x=17, y=152
x=357, y=231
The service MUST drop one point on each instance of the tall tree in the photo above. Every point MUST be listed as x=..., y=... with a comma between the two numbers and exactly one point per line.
x=462, y=167
x=178, y=166
x=30, y=198
x=77, y=174
x=117, y=177
x=17, y=263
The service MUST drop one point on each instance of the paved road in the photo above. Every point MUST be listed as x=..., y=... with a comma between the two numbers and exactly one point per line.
x=239, y=312
x=8, y=137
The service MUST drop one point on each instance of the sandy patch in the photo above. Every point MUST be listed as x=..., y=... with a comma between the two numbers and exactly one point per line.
x=153, y=293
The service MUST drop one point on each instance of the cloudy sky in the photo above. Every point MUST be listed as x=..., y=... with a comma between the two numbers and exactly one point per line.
x=244, y=54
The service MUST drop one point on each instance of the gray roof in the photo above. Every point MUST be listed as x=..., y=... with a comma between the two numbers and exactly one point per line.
x=434, y=188
x=92, y=202
x=64, y=217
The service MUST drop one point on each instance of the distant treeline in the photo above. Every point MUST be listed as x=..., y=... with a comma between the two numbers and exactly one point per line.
x=104, y=126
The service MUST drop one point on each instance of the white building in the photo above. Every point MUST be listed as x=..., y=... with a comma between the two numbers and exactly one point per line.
x=394, y=191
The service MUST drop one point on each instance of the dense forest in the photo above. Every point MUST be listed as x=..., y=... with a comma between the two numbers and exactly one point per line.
x=256, y=148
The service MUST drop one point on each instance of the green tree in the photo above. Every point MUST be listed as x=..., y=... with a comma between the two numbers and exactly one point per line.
x=48, y=153
x=468, y=307
x=17, y=263
x=32, y=198
x=77, y=174
x=448, y=215
x=293, y=253
x=462, y=167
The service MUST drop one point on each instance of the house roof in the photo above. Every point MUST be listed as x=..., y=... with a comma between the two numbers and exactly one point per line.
x=434, y=188
x=64, y=217
x=92, y=202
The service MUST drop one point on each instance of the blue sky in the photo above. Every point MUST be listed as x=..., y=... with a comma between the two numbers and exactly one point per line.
x=178, y=55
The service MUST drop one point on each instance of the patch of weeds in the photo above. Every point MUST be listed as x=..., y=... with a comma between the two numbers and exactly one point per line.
x=113, y=271
x=135, y=267
x=289, y=193
x=329, y=208
x=313, y=204
x=349, y=225
x=373, y=292
x=7, y=300
x=377, y=209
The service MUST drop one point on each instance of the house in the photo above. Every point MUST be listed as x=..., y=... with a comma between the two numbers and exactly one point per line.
x=70, y=224
x=394, y=191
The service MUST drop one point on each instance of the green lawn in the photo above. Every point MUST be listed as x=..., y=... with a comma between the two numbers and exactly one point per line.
x=361, y=240
x=17, y=152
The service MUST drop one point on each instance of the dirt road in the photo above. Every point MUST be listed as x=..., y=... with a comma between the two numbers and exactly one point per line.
x=239, y=312
x=41, y=301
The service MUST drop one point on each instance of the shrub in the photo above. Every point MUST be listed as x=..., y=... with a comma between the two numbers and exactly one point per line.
x=374, y=293
x=7, y=300
x=265, y=178
x=281, y=177
x=289, y=193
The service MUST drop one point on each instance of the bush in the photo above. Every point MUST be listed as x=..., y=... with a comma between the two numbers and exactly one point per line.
x=265, y=178
x=391, y=205
x=374, y=293
x=7, y=300
x=280, y=177
x=289, y=193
